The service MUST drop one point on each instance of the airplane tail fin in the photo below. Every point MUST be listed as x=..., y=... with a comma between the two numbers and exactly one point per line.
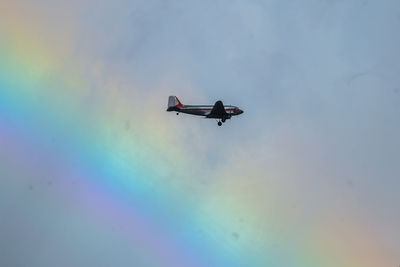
x=173, y=103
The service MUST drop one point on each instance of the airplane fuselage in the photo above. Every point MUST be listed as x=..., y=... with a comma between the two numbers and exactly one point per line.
x=217, y=111
x=205, y=110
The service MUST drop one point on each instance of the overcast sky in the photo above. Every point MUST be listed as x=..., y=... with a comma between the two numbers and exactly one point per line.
x=309, y=174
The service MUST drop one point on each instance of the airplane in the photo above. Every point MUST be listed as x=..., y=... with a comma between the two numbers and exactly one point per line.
x=218, y=111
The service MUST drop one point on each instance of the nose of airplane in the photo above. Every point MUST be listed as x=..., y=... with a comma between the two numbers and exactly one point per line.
x=240, y=111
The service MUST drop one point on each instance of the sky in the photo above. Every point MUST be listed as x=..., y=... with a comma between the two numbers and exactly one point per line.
x=94, y=172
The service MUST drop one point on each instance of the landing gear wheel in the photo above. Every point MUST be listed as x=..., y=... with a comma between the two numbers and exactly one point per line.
x=177, y=113
x=223, y=120
x=219, y=123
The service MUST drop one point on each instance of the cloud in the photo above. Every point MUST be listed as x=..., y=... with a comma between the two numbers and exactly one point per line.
x=318, y=84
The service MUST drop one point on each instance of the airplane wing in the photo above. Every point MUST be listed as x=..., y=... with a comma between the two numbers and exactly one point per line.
x=218, y=111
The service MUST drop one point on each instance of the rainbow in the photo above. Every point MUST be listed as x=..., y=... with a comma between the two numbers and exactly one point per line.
x=45, y=109
x=138, y=176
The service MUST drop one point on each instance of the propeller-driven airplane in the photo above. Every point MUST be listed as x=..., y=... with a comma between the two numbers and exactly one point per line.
x=218, y=111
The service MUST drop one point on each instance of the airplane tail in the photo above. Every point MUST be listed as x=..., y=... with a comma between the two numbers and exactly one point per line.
x=173, y=103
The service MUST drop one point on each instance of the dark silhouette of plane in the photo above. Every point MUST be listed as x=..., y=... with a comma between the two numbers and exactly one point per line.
x=218, y=111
